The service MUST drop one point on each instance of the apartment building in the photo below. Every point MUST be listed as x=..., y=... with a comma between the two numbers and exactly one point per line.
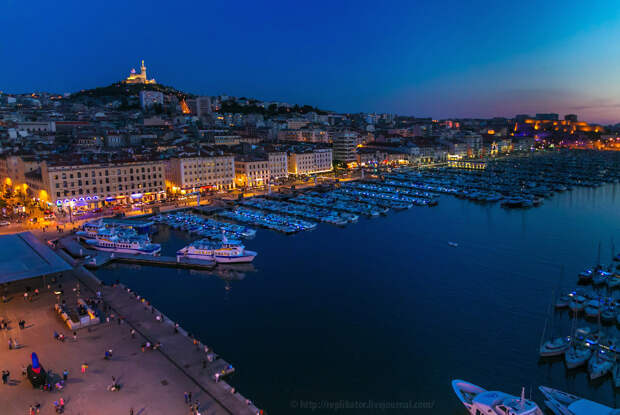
x=310, y=161
x=201, y=173
x=251, y=171
x=92, y=185
x=345, y=144
x=278, y=164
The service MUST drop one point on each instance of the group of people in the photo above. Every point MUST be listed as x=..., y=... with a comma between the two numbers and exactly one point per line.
x=59, y=406
x=194, y=406
x=35, y=409
x=28, y=296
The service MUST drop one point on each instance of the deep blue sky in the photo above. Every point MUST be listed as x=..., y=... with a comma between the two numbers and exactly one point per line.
x=450, y=58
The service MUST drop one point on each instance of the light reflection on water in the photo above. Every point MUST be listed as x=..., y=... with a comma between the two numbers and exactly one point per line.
x=386, y=310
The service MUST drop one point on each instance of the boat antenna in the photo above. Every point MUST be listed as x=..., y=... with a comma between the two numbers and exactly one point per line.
x=522, y=396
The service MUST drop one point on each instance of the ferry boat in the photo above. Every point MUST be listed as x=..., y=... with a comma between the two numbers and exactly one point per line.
x=124, y=241
x=480, y=401
x=226, y=251
x=562, y=403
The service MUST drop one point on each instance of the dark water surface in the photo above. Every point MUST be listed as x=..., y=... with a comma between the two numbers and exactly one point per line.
x=385, y=310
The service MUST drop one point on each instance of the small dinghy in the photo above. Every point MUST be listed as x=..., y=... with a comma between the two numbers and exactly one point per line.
x=453, y=244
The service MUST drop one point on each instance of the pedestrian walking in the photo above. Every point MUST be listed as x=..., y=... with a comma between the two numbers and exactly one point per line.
x=75, y=336
x=131, y=411
x=10, y=343
x=84, y=367
x=5, y=377
x=185, y=395
x=189, y=397
x=133, y=334
x=65, y=375
x=26, y=296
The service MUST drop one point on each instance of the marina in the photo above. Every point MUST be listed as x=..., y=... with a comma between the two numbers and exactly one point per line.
x=580, y=336
x=484, y=238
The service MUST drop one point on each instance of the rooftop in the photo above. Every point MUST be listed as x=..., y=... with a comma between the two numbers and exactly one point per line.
x=23, y=256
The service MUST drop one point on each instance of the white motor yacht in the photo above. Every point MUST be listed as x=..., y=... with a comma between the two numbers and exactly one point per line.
x=480, y=401
x=562, y=403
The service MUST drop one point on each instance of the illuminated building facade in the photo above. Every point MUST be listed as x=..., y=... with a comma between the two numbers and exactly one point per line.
x=251, y=171
x=200, y=173
x=150, y=98
x=345, y=144
x=92, y=185
x=310, y=162
x=278, y=164
x=139, y=78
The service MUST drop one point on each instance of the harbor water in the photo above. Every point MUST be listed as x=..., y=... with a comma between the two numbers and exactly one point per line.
x=385, y=310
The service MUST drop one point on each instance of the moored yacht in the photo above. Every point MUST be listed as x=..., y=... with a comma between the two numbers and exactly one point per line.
x=226, y=251
x=600, y=364
x=562, y=403
x=586, y=275
x=123, y=241
x=480, y=401
x=555, y=347
x=576, y=356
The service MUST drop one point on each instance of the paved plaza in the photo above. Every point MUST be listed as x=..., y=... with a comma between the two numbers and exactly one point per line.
x=153, y=381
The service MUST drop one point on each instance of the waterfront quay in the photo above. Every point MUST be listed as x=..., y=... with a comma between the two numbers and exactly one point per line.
x=152, y=380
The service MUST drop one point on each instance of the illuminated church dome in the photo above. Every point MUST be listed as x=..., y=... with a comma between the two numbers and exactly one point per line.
x=139, y=78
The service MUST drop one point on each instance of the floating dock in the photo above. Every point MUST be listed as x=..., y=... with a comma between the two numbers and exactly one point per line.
x=100, y=259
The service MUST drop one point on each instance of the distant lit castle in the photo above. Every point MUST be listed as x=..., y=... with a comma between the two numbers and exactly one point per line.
x=139, y=78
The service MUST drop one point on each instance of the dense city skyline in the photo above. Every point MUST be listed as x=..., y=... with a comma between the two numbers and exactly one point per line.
x=442, y=60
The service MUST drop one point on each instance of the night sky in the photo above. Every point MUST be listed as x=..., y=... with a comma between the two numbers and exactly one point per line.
x=450, y=58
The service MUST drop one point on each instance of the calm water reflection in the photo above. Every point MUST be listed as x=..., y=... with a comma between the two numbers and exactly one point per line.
x=386, y=310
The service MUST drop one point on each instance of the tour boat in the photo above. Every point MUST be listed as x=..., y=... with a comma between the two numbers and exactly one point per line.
x=562, y=403
x=123, y=241
x=226, y=251
x=480, y=401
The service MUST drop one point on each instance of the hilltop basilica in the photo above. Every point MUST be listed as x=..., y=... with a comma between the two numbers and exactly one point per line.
x=139, y=78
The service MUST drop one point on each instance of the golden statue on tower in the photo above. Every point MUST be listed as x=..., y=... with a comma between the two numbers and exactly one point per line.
x=139, y=78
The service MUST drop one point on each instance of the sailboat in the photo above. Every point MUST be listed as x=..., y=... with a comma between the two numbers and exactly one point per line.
x=601, y=363
x=577, y=354
x=554, y=346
